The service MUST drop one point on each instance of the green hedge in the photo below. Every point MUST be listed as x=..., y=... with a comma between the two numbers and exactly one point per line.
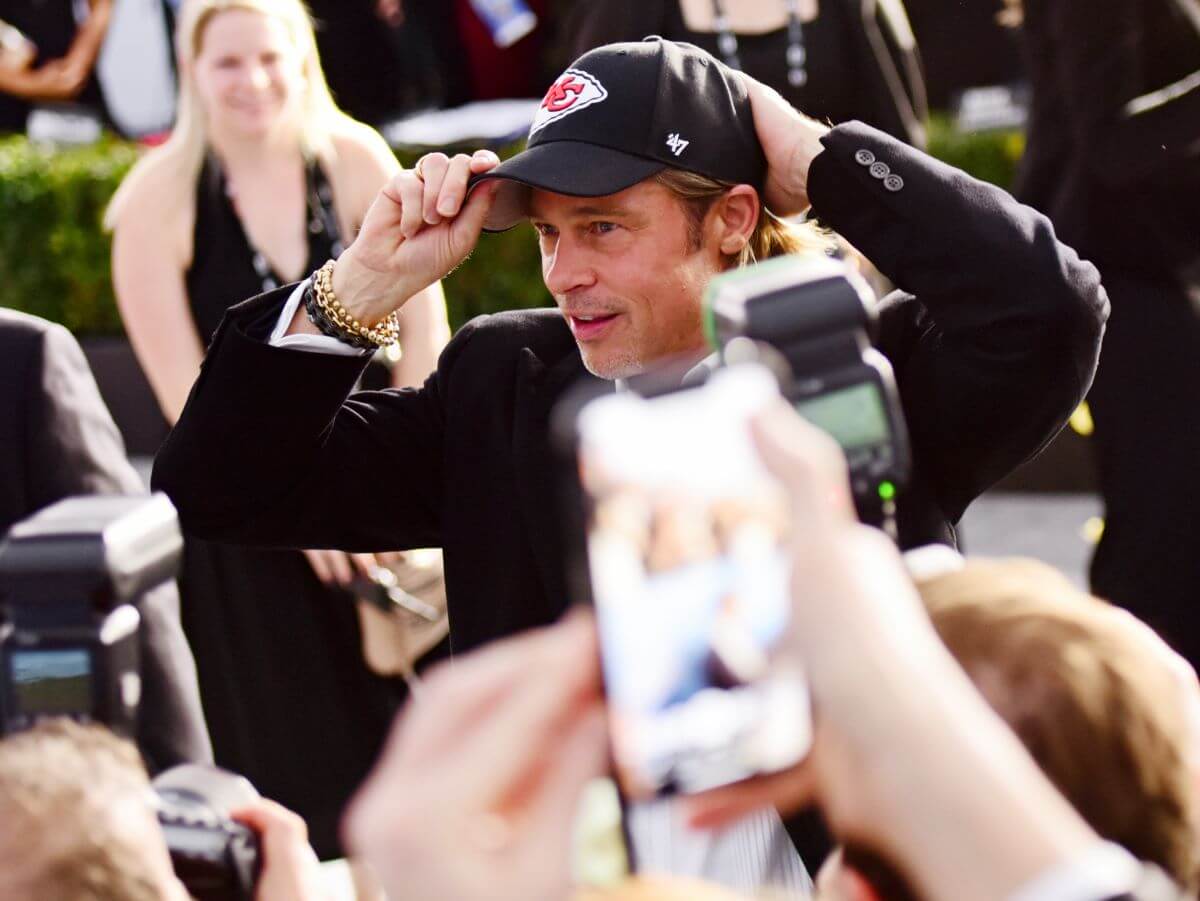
x=54, y=258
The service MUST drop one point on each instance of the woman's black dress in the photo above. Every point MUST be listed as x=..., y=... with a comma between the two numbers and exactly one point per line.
x=843, y=82
x=289, y=701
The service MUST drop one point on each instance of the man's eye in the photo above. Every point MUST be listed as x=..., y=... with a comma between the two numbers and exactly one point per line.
x=603, y=228
x=544, y=230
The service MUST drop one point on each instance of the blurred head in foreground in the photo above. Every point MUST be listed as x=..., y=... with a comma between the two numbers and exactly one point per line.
x=76, y=819
x=1106, y=709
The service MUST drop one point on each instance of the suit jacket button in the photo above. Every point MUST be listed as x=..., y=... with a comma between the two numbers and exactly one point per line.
x=880, y=170
x=893, y=182
x=864, y=157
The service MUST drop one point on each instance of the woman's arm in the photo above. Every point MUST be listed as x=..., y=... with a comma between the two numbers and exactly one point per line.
x=424, y=331
x=85, y=48
x=62, y=79
x=366, y=163
x=148, y=261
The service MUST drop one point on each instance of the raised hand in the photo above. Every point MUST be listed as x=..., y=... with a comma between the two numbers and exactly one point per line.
x=419, y=228
x=790, y=141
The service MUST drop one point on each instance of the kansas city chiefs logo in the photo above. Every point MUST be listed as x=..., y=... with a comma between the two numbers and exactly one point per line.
x=573, y=91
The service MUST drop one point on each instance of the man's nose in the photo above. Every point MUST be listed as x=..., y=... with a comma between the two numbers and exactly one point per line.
x=567, y=268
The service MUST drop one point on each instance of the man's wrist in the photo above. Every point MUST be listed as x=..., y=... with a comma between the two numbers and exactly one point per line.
x=808, y=147
x=364, y=293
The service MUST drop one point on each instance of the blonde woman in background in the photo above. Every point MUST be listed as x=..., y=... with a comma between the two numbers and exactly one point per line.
x=261, y=181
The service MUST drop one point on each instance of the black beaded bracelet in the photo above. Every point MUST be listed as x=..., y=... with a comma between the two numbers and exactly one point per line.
x=326, y=326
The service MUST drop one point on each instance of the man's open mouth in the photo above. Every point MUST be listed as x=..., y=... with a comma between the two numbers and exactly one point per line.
x=591, y=326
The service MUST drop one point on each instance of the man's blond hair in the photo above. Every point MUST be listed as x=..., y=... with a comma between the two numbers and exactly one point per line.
x=73, y=801
x=772, y=236
x=1089, y=692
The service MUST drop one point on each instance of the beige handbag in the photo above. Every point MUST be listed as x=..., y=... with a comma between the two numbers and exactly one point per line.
x=406, y=616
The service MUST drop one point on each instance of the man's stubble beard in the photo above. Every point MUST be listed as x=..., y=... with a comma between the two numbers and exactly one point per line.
x=622, y=365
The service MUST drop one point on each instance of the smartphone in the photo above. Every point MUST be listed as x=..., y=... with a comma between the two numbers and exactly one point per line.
x=686, y=552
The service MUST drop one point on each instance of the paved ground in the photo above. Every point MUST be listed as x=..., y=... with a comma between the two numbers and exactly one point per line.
x=1049, y=527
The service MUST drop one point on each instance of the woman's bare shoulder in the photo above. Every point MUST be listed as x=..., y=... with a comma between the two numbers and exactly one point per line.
x=359, y=147
x=363, y=163
x=158, y=205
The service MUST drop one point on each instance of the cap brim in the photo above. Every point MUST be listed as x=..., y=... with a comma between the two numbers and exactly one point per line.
x=563, y=167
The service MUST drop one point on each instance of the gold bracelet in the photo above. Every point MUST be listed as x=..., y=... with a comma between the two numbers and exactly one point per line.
x=384, y=333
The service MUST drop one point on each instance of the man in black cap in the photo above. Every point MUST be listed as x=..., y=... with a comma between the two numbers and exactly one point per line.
x=646, y=173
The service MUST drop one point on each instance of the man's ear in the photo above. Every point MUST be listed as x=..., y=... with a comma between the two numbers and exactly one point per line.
x=733, y=218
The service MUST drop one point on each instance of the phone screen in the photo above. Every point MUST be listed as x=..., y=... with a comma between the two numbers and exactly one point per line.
x=690, y=579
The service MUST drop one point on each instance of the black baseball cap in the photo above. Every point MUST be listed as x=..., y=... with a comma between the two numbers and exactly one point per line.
x=624, y=112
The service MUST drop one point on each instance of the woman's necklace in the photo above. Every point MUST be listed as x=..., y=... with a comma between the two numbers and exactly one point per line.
x=321, y=221
x=797, y=56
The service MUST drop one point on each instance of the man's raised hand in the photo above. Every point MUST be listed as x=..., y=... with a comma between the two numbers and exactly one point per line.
x=421, y=225
x=790, y=140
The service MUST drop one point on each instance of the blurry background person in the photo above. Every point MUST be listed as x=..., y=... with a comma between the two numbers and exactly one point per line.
x=56, y=441
x=1102, y=705
x=262, y=180
x=381, y=56
x=962, y=47
x=77, y=823
x=55, y=62
x=1114, y=159
x=834, y=59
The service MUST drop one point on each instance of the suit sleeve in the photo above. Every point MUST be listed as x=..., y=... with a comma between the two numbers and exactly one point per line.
x=996, y=331
x=73, y=445
x=1099, y=59
x=273, y=449
x=74, y=448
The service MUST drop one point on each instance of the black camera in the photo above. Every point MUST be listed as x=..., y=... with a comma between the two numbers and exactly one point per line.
x=70, y=577
x=216, y=858
x=70, y=580
x=818, y=315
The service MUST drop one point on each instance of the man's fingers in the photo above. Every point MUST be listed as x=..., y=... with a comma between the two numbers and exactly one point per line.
x=403, y=196
x=791, y=790
x=806, y=460
x=266, y=816
x=454, y=186
x=319, y=565
x=483, y=161
x=339, y=562
x=433, y=172
x=364, y=563
x=465, y=229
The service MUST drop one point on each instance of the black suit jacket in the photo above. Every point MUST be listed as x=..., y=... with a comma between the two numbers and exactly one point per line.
x=992, y=355
x=57, y=440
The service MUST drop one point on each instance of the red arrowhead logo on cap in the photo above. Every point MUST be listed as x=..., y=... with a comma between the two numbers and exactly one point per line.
x=562, y=94
x=573, y=91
